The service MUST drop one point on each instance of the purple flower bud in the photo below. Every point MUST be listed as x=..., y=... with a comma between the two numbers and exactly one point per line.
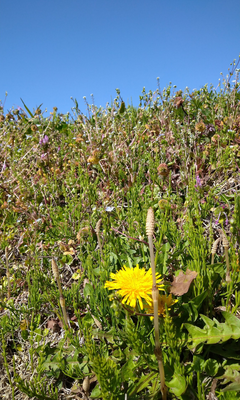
x=44, y=140
x=198, y=182
x=226, y=221
x=217, y=221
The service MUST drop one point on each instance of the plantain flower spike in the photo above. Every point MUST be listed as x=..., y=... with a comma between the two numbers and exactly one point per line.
x=225, y=242
x=215, y=245
x=98, y=226
x=55, y=269
x=150, y=222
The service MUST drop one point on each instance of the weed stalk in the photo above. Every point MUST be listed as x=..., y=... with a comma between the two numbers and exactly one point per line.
x=155, y=297
x=62, y=299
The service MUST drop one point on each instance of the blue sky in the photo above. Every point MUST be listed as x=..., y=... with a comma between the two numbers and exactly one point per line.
x=52, y=50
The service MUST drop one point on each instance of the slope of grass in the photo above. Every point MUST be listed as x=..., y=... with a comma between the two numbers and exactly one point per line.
x=74, y=195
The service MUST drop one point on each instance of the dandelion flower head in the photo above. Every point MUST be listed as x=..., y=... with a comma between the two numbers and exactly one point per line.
x=163, y=301
x=133, y=285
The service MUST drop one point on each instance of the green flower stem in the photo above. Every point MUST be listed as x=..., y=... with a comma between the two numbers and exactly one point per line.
x=150, y=241
x=161, y=238
x=228, y=278
x=65, y=316
x=100, y=245
x=62, y=299
x=8, y=273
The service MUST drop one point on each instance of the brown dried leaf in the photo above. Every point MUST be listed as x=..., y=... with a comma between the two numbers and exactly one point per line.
x=178, y=101
x=54, y=324
x=182, y=282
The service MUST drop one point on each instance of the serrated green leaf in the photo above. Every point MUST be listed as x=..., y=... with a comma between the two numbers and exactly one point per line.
x=198, y=335
x=209, y=322
x=214, y=335
x=231, y=319
x=221, y=332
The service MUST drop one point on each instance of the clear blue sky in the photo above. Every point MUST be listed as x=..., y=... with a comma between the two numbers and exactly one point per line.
x=54, y=49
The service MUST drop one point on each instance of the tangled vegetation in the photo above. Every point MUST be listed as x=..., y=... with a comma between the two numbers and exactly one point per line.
x=75, y=191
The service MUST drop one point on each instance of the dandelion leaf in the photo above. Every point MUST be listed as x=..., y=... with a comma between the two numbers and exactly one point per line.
x=214, y=331
x=197, y=335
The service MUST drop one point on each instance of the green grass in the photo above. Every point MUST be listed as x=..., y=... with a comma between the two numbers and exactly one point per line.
x=178, y=152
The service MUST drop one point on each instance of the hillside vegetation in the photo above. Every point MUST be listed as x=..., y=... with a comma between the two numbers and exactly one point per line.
x=75, y=194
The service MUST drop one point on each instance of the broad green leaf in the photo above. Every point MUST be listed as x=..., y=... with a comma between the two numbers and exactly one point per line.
x=96, y=393
x=128, y=369
x=177, y=385
x=211, y=367
x=88, y=290
x=198, y=363
x=234, y=386
x=228, y=350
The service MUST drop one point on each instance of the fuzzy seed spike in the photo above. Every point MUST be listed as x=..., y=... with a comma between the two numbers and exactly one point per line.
x=98, y=226
x=215, y=245
x=55, y=269
x=225, y=242
x=150, y=222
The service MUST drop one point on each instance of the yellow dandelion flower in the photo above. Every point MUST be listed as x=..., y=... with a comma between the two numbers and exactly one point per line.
x=163, y=301
x=133, y=285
